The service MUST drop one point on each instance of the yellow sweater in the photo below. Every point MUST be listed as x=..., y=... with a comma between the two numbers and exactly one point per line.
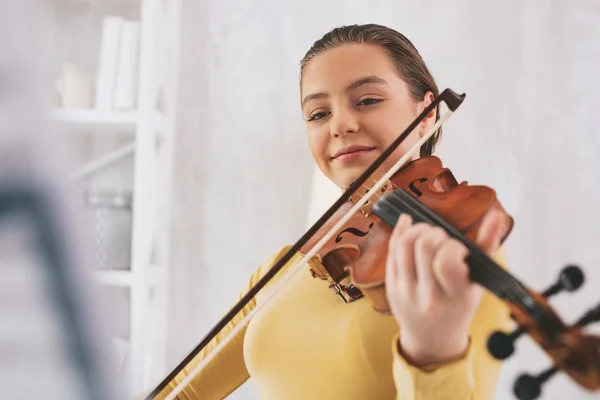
x=308, y=344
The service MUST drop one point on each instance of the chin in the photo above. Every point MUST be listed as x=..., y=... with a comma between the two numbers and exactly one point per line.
x=343, y=176
x=349, y=179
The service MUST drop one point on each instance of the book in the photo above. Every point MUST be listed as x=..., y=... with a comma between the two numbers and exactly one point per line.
x=126, y=86
x=108, y=62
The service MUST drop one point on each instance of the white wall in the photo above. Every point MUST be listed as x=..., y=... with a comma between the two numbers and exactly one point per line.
x=528, y=128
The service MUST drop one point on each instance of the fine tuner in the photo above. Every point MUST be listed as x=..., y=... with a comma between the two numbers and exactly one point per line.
x=501, y=344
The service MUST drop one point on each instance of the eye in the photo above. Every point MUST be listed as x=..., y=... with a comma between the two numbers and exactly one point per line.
x=318, y=115
x=369, y=101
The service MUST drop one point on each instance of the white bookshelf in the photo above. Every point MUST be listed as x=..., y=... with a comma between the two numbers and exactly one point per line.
x=108, y=121
x=124, y=122
x=114, y=277
x=135, y=156
x=125, y=278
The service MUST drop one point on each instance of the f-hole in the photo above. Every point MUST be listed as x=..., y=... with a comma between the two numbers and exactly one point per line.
x=355, y=232
x=414, y=189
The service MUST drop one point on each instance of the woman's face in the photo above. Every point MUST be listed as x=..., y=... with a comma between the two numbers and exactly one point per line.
x=355, y=105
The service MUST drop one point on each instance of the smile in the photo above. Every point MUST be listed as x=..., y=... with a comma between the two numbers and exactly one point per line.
x=352, y=153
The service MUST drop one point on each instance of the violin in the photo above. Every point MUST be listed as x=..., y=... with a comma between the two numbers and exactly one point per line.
x=360, y=250
x=351, y=239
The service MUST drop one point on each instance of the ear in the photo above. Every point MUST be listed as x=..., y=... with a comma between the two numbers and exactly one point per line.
x=429, y=120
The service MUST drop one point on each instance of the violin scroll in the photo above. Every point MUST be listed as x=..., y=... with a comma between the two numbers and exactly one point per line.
x=578, y=355
x=501, y=345
x=572, y=351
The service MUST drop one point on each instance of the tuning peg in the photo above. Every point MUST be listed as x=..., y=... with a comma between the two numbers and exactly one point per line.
x=501, y=345
x=529, y=387
x=592, y=315
x=570, y=279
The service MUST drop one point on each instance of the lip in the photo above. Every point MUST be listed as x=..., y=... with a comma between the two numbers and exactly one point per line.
x=351, y=152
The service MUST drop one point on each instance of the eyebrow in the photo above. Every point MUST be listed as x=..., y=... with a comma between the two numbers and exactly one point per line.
x=352, y=86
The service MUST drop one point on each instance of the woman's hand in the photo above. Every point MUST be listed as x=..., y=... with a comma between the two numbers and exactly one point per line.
x=428, y=287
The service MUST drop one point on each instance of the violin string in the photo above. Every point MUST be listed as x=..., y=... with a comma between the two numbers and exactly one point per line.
x=509, y=287
x=491, y=275
x=499, y=278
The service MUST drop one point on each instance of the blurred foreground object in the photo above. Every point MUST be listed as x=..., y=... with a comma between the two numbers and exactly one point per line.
x=52, y=344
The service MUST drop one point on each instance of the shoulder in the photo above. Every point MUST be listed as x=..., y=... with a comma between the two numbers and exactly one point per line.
x=271, y=261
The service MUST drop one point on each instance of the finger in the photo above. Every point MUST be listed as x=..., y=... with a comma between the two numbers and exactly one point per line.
x=426, y=246
x=402, y=225
x=450, y=268
x=400, y=261
x=391, y=275
x=402, y=255
x=493, y=228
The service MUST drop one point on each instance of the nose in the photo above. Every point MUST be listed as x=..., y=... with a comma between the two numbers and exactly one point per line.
x=343, y=122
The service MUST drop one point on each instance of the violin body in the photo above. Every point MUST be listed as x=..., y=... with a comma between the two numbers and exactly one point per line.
x=359, y=250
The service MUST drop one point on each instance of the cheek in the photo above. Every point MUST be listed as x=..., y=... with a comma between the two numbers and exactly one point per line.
x=383, y=128
x=409, y=143
x=389, y=125
x=387, y=128
x=317, y=141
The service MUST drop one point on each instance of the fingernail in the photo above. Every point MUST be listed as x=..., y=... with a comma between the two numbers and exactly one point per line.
x=407, y=221
x=403, y=223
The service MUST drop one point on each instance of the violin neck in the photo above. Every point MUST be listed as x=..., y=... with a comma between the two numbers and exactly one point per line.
x=482, y=268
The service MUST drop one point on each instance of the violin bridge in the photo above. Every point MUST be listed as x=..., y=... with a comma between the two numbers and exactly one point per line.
x=364, y=189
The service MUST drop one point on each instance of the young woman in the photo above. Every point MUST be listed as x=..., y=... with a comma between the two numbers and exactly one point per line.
x=361, y=86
